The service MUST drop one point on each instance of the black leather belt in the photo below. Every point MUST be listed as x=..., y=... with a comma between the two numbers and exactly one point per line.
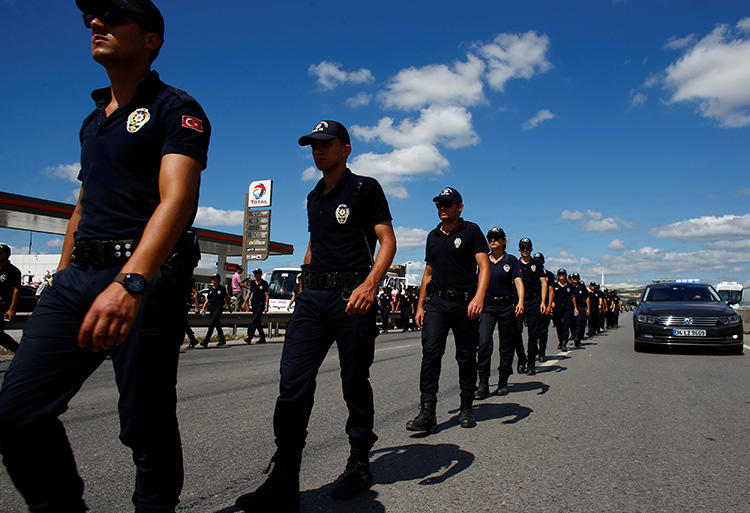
x=457, y=296
x=333, y=280
x=530, y=297
x=112, y=253
x=500, y=300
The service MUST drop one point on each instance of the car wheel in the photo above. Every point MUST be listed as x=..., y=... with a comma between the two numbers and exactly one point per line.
x=638, y=347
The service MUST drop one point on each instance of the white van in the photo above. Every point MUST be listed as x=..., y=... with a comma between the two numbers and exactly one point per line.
x=282, y=284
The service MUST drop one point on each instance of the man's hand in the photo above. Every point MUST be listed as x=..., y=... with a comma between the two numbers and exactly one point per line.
x=108, y=321
x=519, y=309
x=419, y=317
x=542, y=309
x=361, y=298
x=10, y=314
x=265, y=310
x=474, y=309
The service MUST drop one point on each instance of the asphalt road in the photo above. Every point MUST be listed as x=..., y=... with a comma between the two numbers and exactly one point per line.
x=599, y=429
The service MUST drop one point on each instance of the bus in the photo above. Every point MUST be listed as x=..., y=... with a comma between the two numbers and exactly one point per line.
x=282, y=284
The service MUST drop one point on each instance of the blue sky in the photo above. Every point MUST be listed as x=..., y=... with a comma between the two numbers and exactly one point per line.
x=614, y=134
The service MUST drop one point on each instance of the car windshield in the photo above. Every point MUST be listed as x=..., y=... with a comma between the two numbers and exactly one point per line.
x=282, y=284
x=681, y=293
x=728, y=295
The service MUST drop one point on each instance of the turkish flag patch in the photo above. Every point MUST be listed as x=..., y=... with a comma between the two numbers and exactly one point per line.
x=194, y=123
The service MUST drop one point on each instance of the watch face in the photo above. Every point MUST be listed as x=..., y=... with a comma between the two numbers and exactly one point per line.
x=135, y=283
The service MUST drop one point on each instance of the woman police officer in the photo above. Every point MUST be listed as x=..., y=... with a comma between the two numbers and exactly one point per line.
x=535, y=300
x=503, y=304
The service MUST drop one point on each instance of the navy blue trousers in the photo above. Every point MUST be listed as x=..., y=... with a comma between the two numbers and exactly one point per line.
x=319, y=320
x=49, y=369
x=533, y=327
x=564, y=319
x=215, y=324
x=6, y=340
x=441, y=315
x=257, y=322
x=580, y=323
x=544, y=321
x=507, y=326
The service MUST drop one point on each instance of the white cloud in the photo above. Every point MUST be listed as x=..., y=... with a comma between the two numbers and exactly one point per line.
x=637, y=99
x=515, y=56
x=744, y=24
x=607, y=224
x=67, y=172
x=729, y=244
x=651, y=80
x=399, y=166
x=330, y=75
x=448, y=125
x=593, y=214
x=714, y=74
x=359, y=100
x=410, y=237
x=745, y=191
x=571, y=215
x=541, y=116
x=75, y=193
x=675, y=43
x=705, y=228
x=413, y=88
x=616, y=245
x=311, y=173
x=55, y=243
x=210, y=216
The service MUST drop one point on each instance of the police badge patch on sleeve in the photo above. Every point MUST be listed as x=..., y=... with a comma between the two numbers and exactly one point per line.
x=342, y=213
x=137, y=119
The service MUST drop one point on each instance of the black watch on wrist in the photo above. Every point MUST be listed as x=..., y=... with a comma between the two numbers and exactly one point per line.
x=133, y=283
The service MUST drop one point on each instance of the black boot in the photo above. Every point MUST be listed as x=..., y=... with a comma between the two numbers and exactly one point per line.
x=356, y=478
x=280, y=492
x=425, y=419
x=502, y=385
x=483, y=390
x=466, y=415
x=531, y=369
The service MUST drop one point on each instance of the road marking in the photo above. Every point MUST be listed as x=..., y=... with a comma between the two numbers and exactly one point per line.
x=396, y=347
x=746, y=347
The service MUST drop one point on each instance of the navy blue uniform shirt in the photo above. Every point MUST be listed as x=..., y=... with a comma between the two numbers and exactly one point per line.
x=342, y=223
x=502, y=274
x=581, y=293
x=453, y=256
x=10, y=278
x=121, y=156
x=258, y=292
x=563, y=296
x=532, y=274
x=216, y=297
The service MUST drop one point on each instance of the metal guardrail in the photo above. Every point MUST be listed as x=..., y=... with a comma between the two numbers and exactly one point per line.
x=272, y=321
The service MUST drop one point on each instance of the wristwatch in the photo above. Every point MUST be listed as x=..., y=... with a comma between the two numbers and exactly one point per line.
x=133, y=283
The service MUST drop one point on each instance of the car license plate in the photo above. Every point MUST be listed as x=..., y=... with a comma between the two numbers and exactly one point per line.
x=688, y=333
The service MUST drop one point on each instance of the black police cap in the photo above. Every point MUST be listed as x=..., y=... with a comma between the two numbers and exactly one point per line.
x=496, y=231
x=562, y=271
x=450, y=194
x=539, y=257
x=258, y=271
x=325, y=131
x=525, y=243
x=216, y=276
x=143, y=11
x=592, y=284
x=4, y=249
x=576, y=275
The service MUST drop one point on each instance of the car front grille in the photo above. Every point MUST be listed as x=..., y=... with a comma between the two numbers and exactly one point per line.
x=673, y=320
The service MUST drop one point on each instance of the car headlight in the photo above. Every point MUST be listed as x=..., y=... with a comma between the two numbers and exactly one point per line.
x=731, y=320
x=648, y=319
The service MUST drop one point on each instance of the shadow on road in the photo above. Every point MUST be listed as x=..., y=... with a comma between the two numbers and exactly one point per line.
x=529, y=386
x=550, y=368
x=431, y=464
x=320, y=500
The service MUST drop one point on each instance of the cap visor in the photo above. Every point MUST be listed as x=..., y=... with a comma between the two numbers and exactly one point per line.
x=307, y=140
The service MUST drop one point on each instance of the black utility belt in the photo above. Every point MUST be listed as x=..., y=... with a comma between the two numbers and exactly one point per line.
x=102, y=254
x=500, y=300
x=531, y=296
x=457, y=296
x=333, y=280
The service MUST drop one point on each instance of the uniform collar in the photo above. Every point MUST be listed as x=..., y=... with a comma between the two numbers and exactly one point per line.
x=458, y=227
x=321, y=185
x=148, y=84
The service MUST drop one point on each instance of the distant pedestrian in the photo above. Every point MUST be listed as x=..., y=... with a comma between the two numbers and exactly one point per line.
x=216, y=297
x=194, y=304
x=10, y=292
x=238, y=284
x=258, y=298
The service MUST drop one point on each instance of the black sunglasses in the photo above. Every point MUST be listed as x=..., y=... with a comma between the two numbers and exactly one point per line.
x=493, y=238
x=112, y=17
x=443, y=204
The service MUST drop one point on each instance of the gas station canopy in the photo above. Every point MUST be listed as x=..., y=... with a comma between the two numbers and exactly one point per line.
x=38, y=215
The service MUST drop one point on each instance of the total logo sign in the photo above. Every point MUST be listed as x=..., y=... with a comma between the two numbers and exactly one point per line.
x=260, y=193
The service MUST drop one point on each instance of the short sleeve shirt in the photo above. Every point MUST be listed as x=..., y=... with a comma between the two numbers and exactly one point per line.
x=258, y=292
x=10, y=279
x=236, y=280
x=216, y=297
x=563, y=295
x=581, y=293
x=121, y=156
x=532, y=273
x=502, y=274
x=453, y=256
x=342, y=223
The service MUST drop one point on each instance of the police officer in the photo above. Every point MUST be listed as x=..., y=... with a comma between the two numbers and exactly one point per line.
x=193, y=298
x=411, y=299
x=581, y=297
x=451, y=297
x=593, y=307
x=216, y=298
x=545, y=318
x=564, y=308
x=10, y=291
x=535, y=300
x=503, y=306
x=122, y=279
x=385, y=300
x=604, y=296
x=258, y=296
x=347, y=215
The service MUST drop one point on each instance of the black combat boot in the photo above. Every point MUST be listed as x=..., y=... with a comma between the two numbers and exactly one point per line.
x=466, y=415
x=483, y=390
x=280, y=492
x=425, y=419
x=502, y=384
x=356, y=477
x=531, y=369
